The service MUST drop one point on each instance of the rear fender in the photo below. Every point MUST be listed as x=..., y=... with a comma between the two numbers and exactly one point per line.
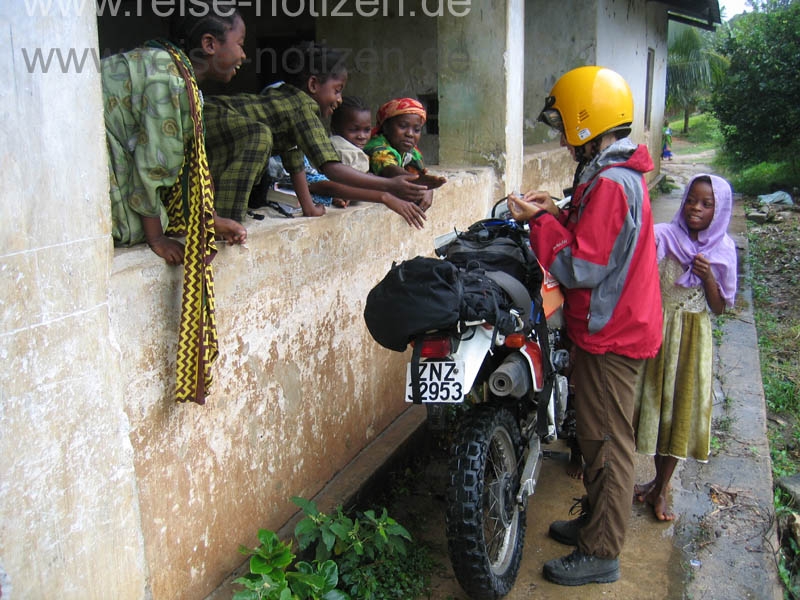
x=473, y=351
x=533, y=355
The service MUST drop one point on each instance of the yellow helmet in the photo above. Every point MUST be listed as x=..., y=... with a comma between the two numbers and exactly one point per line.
x=587, y=102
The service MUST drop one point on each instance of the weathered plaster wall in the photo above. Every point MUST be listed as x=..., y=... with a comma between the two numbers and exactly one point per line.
x=559, y=36
x=657, y=25
x=473, y=105
x=300, y=386
x=627, y=53
x=69, y=518
x=614, y=33
x=108, y=489
x=547, y=167
x=513, y=68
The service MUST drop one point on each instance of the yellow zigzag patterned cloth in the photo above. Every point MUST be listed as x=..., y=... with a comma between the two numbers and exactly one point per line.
x=190, y=207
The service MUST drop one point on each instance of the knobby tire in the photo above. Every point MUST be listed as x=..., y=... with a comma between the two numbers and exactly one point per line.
x=485, y=529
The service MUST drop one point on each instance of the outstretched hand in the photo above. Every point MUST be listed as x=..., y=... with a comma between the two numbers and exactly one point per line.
x=412, y=213
x=315, y=210
x=525, y=208
x=404, y=187
x=431, y=182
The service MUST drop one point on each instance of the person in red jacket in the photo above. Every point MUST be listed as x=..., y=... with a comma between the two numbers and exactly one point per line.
x=602, y=250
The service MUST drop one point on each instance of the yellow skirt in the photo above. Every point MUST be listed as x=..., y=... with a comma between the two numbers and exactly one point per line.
x=673, y=410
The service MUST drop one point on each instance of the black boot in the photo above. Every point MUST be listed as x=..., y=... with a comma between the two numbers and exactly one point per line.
x=579, y=569
x=566, y=532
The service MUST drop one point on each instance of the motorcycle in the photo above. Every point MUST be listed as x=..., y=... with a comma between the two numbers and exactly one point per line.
x=504, y=394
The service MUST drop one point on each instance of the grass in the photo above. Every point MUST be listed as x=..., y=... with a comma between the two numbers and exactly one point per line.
x=774, y=275
x=764, y=178
x=751, y=180
x=778, y=331
x=703, y=134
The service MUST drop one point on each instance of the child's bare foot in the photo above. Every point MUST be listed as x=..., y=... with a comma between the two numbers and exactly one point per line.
x=341, y=203
x=575, y=466
x=659, y=504
x=229, y=230
x=642, y=490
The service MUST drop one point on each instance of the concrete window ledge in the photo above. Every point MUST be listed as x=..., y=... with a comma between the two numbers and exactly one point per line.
x=300, y=388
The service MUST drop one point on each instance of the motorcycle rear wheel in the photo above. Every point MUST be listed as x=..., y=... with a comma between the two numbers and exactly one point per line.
x=485, y=526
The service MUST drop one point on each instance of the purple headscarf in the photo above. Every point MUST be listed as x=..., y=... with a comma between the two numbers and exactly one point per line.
x=713, y=242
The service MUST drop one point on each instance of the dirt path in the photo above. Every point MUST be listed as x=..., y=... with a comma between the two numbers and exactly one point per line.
x=721, y=544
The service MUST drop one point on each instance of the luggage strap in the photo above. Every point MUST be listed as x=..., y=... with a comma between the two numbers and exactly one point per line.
x=415, y=356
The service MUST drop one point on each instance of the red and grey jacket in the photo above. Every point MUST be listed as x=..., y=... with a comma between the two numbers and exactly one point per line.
x=602, y=250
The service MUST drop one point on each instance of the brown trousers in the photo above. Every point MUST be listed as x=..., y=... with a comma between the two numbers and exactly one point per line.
x=605, y=387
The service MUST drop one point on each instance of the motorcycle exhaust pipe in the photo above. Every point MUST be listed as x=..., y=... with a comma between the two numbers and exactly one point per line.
x=511, y=378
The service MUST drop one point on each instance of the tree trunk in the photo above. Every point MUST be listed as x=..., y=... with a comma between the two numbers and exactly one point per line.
x=686, y=120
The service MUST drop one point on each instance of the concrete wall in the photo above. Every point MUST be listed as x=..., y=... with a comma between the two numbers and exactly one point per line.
x=69, y=510
x=560, y=36
x=481, y=111
x=627, y=53
x=547, y=167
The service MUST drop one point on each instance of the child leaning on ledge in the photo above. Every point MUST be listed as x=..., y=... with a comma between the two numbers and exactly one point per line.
x=351, y=125
x=244, y=130
x=393, y=150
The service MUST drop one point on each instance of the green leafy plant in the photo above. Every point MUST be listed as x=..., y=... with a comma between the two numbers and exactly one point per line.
x=365, y=556
x=789, y=553
x=370, y=551
x=270, y=579
x=763, y=178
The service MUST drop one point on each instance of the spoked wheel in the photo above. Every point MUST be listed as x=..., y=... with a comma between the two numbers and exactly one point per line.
x=485, y=527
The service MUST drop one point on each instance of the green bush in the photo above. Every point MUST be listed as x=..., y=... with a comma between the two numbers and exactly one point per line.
x=271, y=579
x=370, y=551
x=362, y=557
x=764, y=178
x=757, y=100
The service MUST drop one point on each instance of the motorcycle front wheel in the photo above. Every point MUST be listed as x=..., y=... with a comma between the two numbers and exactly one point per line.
x=485, y=526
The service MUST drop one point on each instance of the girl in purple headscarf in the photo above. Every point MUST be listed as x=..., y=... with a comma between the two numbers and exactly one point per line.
x=697, y=265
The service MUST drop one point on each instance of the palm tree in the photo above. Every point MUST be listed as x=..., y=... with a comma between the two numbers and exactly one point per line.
x=692, y=67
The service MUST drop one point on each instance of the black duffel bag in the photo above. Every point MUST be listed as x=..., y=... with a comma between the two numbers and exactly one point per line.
x=425, y=294
x=495, y=245
x=415, y=296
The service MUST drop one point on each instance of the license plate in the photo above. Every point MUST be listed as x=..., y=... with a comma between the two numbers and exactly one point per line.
x=439, y=381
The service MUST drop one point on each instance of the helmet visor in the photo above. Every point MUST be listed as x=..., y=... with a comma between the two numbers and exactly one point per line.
x=550, y=116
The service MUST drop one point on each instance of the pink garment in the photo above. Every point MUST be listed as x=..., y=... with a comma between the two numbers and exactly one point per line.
x=713, y=242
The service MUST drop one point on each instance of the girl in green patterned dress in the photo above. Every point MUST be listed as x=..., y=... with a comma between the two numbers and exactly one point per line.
x=151, y=125
x=160, y=184
x=697, y=264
